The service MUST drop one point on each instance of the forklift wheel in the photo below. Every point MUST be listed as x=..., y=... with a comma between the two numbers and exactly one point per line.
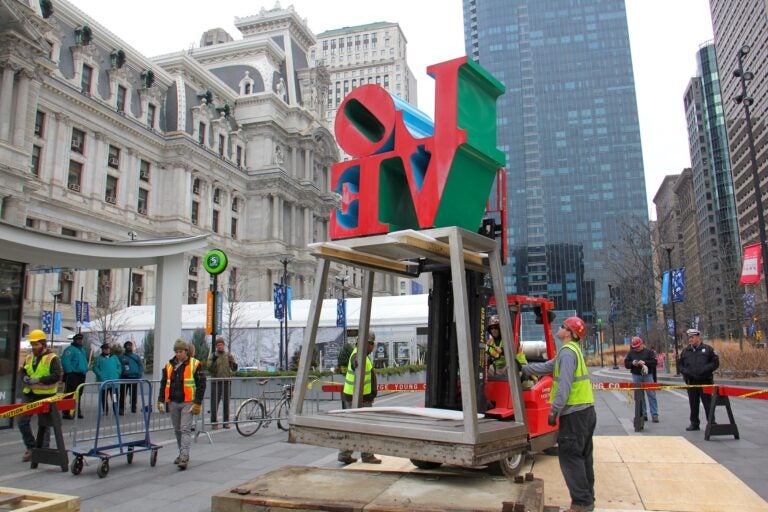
x=509, y=466
x=426, y=464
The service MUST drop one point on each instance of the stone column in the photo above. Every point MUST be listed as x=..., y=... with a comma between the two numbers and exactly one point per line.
x=308, y=164
x=6, y=102
x=22, y=107
x=276, y=207
x=14, y=211
x=294, y=239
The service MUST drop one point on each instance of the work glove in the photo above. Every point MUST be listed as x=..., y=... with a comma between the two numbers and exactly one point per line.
x=552, y=419
x=160, y=407
x=195, y=409
x=34, y=380
x=25, y=379
x=520, y=356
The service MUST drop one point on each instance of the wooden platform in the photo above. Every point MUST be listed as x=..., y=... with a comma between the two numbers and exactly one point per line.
x=631, y=473
x=411, y=436
x=22, y=499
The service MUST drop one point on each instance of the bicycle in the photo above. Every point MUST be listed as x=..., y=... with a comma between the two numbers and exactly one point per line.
x=256, y=412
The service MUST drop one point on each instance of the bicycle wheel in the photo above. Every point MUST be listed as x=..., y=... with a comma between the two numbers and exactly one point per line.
x=249, y=417
x=282, y=414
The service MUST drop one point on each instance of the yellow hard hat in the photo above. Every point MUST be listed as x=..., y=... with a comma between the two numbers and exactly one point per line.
x=36, y=336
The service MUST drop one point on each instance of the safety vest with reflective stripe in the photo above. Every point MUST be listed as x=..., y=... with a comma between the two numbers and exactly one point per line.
x=189, y=379
x=43, y=370
x=349, y=383
x=581, y=389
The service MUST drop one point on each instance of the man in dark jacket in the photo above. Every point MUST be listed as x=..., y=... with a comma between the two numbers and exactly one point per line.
x=182, y=389
x=133, y=368
x=221, y=366
x=698, y=363
x=641, y=363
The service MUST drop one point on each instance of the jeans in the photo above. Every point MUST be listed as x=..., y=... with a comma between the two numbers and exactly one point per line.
x=181, y=419
x=25, y=427
x=650, y=394
x=574, y=441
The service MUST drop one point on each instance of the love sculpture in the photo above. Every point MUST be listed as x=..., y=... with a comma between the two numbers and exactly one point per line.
x=410, y=173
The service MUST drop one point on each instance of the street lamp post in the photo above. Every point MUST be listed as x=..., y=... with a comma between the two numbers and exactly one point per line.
x=746, y=101
x=131, y=234
x=343, y=280
x=285, y=259
x=672, y=300
x=612, y=318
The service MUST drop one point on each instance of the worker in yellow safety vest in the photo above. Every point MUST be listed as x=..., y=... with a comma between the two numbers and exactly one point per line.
x=572, y=401
x=369, y=394
x=41, y=375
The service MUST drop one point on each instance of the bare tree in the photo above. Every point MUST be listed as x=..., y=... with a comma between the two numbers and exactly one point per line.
x=631, y=265
x=237, y=295
x=109, y=316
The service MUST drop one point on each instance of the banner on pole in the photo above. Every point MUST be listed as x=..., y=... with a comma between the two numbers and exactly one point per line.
x=665, y=288
x=678, y=284
x=341, y=312
x=277, y=297
x=82, y=311
x=750, y=269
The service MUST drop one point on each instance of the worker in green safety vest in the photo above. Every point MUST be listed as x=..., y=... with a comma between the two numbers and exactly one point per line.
x=572, y=401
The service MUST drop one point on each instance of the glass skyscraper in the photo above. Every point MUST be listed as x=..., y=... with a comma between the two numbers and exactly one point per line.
x=568, y=124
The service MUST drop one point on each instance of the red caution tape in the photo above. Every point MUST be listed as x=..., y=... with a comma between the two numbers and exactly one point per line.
x=760, y=394
x=403, y=386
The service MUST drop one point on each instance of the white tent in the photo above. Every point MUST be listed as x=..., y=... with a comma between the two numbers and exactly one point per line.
x=394, y=319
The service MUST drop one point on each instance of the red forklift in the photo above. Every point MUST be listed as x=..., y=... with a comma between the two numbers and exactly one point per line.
x=532, y=329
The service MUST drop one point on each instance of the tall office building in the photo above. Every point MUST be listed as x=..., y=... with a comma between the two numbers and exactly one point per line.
x=568, y=124
x=374, y=53
x=739, y=23
x=713, y=201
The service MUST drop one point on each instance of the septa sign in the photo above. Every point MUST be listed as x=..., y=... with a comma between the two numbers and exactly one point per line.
x=410, y=173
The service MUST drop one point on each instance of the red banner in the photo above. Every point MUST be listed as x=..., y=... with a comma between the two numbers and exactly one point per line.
x=750, y=269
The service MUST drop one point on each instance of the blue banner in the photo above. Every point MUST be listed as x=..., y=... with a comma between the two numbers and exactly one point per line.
x=288, y=303
x=678, y=284
x=82, y=312
x=665, y=288
x=671, y=327
x=341, y=313
x=277, y=297
x=749, y=305
x=46, y=320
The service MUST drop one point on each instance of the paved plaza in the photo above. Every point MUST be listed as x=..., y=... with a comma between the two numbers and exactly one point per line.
x=228, y=459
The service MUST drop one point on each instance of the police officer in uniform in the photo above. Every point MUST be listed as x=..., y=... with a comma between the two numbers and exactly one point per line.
x=41, y=375
x=573, y=402
x=697, y=364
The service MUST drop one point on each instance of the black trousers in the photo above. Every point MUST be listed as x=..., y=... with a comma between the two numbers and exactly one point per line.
x=107, y=398
x=71, y=381
x=124, y=390
x=220, y=391
x=574, y=445
x=696, y=395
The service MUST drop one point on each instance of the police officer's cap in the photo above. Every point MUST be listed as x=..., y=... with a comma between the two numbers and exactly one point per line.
x=692, y=332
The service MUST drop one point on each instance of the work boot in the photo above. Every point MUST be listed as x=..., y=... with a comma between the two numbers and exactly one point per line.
x=372, y=460
x=692, y=427
x=656, y=419
x=183, y=461
x=177, y=460
x=27, y=456
x=347, y=459
x=581, y=508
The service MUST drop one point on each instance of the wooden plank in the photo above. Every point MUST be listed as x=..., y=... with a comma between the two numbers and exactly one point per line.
x=39, y=501
x=364, y=260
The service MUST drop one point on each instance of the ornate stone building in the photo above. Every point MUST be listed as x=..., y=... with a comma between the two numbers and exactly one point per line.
x=99, y=142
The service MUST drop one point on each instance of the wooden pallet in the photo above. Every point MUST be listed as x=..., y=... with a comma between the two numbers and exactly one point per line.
x=22, y=499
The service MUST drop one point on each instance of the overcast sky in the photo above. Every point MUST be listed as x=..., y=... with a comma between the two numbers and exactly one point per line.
x=664, y=34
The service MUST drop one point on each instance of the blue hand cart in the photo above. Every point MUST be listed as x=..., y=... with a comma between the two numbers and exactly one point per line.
x=126, y=446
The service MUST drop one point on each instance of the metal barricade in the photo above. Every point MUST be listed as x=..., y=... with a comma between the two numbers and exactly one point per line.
x=85, y=429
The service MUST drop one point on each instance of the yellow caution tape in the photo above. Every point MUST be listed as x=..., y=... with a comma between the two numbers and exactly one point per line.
x=25, y=407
